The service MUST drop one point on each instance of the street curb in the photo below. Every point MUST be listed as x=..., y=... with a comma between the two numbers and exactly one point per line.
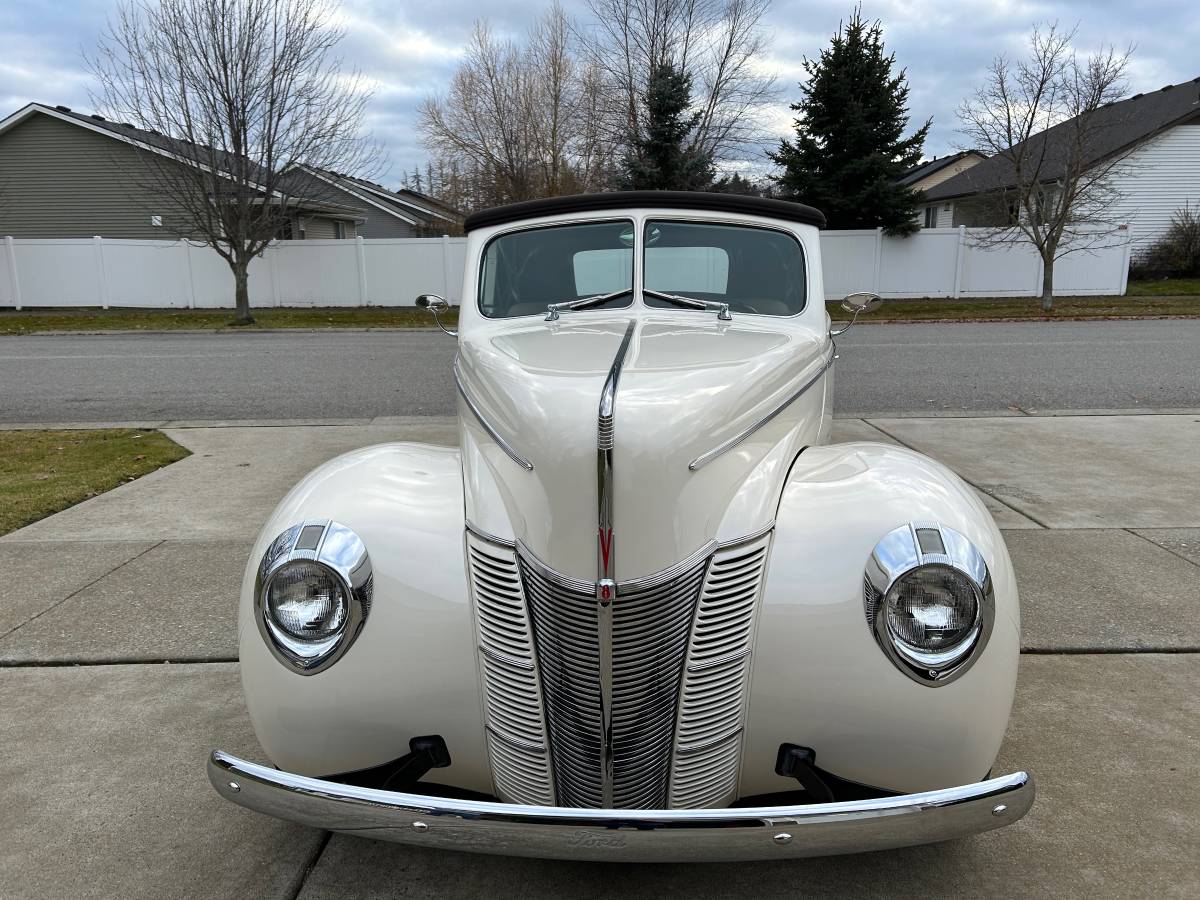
x=441, y=420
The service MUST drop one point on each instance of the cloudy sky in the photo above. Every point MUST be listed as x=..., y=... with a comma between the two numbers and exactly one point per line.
x=409, y=48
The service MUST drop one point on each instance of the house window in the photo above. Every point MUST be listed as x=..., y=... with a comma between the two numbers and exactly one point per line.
x=339, y=229
x=284, y=232
x=931, y=214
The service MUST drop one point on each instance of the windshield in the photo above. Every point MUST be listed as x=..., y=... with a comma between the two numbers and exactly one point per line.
x=754, y=270
x=525, y=271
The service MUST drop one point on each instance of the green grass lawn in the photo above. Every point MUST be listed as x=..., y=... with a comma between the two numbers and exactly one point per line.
x=1164, y=287
x=1158, y=298
x=92, y=319
x=44, y=472
x=1027, y=308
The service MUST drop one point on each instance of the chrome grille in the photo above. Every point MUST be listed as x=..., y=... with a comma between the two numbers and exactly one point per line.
x=516, y=732
x=568, y=652
x=708, y=744
x=651, y=621
x=681, y=666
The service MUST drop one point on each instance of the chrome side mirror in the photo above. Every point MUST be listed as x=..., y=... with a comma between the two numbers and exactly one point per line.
x=436, y=305
x=856, y=304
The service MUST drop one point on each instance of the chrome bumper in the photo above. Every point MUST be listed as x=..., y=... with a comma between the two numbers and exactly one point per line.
x=674, y=835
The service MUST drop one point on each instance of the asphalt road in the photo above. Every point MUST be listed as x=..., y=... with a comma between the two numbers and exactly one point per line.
x=335, y=375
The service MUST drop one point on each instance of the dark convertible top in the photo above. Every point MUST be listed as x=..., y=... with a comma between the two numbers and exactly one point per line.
x=731, y=203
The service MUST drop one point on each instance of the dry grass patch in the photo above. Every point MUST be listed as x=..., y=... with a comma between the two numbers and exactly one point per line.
x=44, y=472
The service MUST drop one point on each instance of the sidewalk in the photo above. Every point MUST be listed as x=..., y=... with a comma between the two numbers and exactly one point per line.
x=102, y=778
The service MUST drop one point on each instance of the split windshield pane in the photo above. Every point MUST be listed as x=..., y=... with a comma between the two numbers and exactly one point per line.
x=525, y=271
x=754, y=270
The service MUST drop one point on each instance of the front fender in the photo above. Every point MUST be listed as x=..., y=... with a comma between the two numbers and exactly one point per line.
x=412, y=670
x=820, y=680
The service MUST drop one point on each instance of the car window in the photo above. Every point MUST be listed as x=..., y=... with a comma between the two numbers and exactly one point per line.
x=754, y=270
x=524, y=271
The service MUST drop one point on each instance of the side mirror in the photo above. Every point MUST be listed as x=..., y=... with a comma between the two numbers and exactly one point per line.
x=856, y=304
x=433, y=303
x=436, y=305
x=861, y=302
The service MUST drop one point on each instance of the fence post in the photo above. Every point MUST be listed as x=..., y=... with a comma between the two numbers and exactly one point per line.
x=272, y=253
x=101, y=278
x=190, y=297
x=878, y=260
x=360, y=251
x=13, y=279
x=1125, y=261
x=446, y=277
x=958, y=260
x=1041, y=269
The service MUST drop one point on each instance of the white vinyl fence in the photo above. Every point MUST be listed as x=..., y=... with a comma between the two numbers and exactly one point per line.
x=937, y=262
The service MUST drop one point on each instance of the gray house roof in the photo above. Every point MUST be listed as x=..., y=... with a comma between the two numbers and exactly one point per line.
x=302, y=195
x=932, y=166
x=1119, y=126
x=409, y=206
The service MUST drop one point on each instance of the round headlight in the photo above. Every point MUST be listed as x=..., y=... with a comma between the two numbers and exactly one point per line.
x=932, y=609
x=307, y=601
x=929, y=601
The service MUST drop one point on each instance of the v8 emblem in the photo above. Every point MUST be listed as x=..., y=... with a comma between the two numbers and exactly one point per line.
x=606, y=591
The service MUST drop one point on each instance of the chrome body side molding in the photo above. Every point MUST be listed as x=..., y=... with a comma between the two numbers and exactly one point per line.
x=622, y=835
x=487, y=426
x=705, y=458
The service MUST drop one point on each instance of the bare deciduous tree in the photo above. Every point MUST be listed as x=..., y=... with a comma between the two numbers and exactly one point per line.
x=716, y=42
x=235, y=96
x=1048, y=120
x=518, y=120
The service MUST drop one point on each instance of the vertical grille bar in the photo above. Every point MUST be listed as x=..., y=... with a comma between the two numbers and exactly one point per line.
x=712, y=707
x=516, y=730
x=566, y=634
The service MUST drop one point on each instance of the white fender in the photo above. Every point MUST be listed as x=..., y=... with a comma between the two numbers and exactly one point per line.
x=820, y=680
x=412, y=670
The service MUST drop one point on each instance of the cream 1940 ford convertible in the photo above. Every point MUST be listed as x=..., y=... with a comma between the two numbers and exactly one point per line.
x=645, y=610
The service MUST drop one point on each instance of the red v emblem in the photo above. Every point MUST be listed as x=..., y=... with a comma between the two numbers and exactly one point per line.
x=606, y=537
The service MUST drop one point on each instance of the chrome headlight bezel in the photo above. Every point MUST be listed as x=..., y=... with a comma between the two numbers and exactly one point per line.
x=342, y=554
x=918, y=545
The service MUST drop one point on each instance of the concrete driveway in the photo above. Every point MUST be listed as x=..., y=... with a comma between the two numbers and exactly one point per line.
x=118, y=674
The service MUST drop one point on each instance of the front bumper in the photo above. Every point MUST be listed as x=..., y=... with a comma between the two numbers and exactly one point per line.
x=674, y=835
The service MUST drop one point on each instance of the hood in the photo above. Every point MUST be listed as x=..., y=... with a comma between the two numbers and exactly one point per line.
x=688, y=384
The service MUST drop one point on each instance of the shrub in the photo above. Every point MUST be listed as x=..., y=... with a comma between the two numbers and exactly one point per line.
x=1176, y=254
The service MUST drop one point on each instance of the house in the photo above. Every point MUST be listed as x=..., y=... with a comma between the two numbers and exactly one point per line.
x=391, y=214
x=64, y=174
x=1156, y=137
x=933, y=172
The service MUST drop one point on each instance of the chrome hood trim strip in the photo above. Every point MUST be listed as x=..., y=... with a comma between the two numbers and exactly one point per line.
x=625, y=835
x=486, y=425
x=606, y=587
x=705, y=458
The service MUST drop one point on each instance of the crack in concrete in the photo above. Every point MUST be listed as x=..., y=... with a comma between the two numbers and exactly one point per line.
x=1161, y=547
x=58, y=603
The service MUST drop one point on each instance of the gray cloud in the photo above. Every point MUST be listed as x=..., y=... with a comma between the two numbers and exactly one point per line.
x=409, y=49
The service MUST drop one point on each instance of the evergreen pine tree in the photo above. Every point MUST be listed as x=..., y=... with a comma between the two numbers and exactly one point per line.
x=660, y=158
x=850, y=147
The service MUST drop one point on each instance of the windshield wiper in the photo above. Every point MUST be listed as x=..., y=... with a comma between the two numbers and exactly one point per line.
x=583, y=302
x=692, y=303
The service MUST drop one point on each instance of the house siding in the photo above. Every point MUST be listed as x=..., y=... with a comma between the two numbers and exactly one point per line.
x=59, y=180
x=380, y=225
x=1160, y=176
x=319, y=228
